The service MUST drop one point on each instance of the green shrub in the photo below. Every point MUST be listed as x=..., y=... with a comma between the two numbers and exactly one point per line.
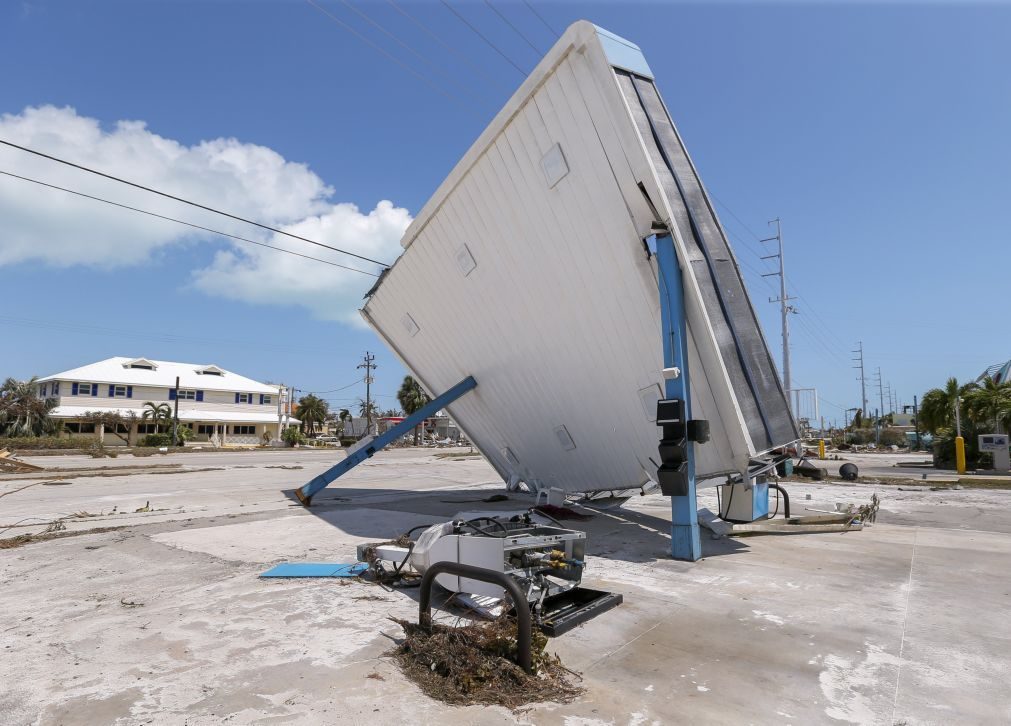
x=894, y=437
x=944, y=450
x=156, y=440
x=38, y=443
x=292, y=436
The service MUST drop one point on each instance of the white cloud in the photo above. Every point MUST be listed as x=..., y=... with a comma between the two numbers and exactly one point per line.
x=330, y=293
x=248, y=180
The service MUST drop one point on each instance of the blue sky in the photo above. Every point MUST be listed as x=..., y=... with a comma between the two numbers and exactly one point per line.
x=878, y=133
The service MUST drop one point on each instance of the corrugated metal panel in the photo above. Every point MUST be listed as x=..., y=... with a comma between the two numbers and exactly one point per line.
x=527, y=270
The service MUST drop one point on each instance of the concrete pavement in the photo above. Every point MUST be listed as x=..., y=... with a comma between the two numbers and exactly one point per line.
x=165, y=621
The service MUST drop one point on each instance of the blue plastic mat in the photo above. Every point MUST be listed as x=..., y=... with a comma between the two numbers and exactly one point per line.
x=316, y=569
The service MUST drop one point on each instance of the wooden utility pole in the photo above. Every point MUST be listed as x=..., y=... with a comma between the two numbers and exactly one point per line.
x=369, y=365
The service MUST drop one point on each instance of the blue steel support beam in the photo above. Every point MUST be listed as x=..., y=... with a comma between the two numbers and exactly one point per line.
x=306, y=492
x=686, y=541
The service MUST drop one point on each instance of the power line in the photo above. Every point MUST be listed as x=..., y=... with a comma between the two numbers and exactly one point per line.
x=474, y=66
x=546, y=25
x=179, y=221
x=516, y=30
x=481, y=35
x=332, y=390
x=187, y=201
x=424, y=79
x=374, y=23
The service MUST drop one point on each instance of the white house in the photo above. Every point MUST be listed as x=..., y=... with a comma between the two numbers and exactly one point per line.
x=211, y=401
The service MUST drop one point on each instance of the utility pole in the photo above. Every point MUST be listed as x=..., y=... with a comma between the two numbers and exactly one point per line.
x=280, y=411
x=863, y=379
x=369, y=365
x=784, y=308
x=175, y=416
x=916, y=421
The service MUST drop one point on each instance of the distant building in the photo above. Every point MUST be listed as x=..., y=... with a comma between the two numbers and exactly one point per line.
x=213, y=403
x=1000, y=372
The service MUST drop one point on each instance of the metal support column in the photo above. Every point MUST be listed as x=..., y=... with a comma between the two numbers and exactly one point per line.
x=686, y=542
x=368, y=446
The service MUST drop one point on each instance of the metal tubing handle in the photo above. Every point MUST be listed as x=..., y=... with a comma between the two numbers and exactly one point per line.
x=523, y=638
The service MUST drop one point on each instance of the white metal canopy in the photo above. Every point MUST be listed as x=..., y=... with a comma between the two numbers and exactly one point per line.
x=527, y=270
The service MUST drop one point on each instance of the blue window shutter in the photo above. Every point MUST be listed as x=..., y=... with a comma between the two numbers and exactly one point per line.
x=261, y=399
x=42, y=392
x=250, y=398
x=200, y=395
x=129, y=391
x=94, y=389
x=73, y=388
x=112, y=391
x=171, y=394
x=236, y=397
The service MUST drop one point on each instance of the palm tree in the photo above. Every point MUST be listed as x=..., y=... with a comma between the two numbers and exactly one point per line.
x=159, y=413
x=344, y=415
x=312, y=410
x=989, y=404
x=22, y=412
x=368, y=410
x=937, y=410
x=412, y=398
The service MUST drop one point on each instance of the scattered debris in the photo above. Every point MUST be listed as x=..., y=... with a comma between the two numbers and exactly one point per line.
x=145, y=508
x=375, y=676
x=283, y=466
x=19, y=489
x=23, y=539
x=848, y=472
x=9, y=464
x=475, y=664
x=130, y=603
x=868, y=513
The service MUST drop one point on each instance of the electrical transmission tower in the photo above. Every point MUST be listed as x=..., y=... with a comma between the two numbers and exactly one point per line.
x=863, y=379
x=784, y=307
x=369, y=365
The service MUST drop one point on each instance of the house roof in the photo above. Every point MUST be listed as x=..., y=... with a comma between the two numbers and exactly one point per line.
x=185, y=414
x=191, y=375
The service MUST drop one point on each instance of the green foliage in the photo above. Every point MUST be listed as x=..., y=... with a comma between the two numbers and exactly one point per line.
x=312, y=412
x=412, y=398
x=40, y=443
x=988, y=405
x=858, y=420
x=22, y=412
x=156, y=440
x=370, y=410
x=944, y=450
x=937, y=409
x=184, y=434
x=894, y=437
x=293, y=435
x=160, y=414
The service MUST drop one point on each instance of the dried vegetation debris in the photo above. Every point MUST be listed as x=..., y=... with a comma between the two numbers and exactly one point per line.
x=475, y=664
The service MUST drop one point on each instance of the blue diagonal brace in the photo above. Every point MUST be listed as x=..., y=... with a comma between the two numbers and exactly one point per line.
x=686, y=540
x=306, y=492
